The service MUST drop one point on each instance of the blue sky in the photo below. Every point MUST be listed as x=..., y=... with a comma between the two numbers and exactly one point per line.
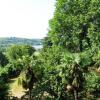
x=25, y=18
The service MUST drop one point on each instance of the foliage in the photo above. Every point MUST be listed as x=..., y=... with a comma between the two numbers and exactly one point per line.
x=3, y=59
x=68, y=22
x=3, y=90
x=3, y=85
x=66, y=67
x=92, y=85
x=4, y=73
x=71, y=49
x=86, y=58
x=96, y=58
x=31, y=72
x=17, y=51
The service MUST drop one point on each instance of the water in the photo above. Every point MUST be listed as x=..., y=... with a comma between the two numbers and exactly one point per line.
x=38, y=46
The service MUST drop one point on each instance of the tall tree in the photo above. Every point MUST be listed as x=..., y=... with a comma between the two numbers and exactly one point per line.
x=75, y=27
x=75, y=24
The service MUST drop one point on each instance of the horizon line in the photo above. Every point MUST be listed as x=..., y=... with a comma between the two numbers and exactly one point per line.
x=20, y=37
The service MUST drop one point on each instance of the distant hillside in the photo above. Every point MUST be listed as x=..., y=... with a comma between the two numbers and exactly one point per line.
x=5, y=42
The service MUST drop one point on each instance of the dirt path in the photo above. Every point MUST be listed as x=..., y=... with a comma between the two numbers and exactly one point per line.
x=15, y=89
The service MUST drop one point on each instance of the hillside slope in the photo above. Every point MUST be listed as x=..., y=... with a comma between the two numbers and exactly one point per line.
x=4, y=42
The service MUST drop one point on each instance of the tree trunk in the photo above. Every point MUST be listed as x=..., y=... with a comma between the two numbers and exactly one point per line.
x=29, y=94
x=75, y=95
x=80, y=45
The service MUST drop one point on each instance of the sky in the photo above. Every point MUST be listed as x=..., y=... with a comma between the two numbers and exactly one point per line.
x=25, y=18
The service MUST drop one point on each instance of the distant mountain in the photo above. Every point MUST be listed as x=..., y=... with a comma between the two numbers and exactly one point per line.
x=5, y=42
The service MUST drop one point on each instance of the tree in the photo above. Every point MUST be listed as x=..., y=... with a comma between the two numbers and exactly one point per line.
x=14, y=52
x=27, y=50
x=31, y=73
x=4, y=87
x=75, y=24
x=3, y=90
x=47, y=42
x=74, y=30
x=17, y=51
x=3, y=59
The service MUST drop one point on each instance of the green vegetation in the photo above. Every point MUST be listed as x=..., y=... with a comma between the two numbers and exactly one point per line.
x=68, y=65
x=3, y=59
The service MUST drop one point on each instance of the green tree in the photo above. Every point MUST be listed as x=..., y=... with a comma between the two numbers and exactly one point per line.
x=3, y=83
x=3, y=59
x=75, y=24
x=74, y=28
x=17, y=51
x=3, y=89
x=14, y=52
x=27, y=50
x=31, y=73
x=47, y=42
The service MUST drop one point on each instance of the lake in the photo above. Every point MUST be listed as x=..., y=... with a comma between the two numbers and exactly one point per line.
x=38, y=46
